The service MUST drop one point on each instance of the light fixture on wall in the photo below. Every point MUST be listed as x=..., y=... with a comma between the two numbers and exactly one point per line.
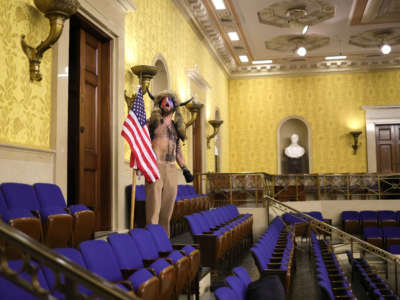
x=145, y=74
x=216, y=124
x=57, y=11
x=194, y=109
x=355, y=145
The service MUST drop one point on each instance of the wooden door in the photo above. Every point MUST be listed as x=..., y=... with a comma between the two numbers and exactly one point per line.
x=388, y=148
x=89, y=166
x=197, y=146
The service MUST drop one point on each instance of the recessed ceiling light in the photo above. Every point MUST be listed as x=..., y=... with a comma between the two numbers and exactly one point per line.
x=305, y=28
x=243, y=58
x=386, y=49
x=301, y=51
x=219, y=4
x=260, y=62
x=336, y=57
x=233, y=36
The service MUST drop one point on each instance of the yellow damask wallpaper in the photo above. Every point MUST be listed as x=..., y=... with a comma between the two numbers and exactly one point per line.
x=330, y=103
x=157, y=27
x=24, y=106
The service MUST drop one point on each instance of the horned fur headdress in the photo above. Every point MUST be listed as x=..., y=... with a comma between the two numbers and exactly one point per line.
x=156, y=115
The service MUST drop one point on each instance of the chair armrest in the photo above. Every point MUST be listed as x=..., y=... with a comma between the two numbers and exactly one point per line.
x=128, y=272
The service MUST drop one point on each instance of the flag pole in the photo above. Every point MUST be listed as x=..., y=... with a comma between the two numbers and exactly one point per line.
x=133, y=202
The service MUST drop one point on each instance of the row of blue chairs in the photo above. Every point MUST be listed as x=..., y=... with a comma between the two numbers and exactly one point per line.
x=41, y=212
x=235, y=287
x=354, y=221
x=384, y=238
x=274, y=252
x=222, y=233
x=142, y=261
x=299, y=224
x=373, y=284
x=332, y=282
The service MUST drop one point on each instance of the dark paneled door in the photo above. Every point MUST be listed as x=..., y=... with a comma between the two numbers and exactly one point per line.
x=388, y=148
x=90, y=121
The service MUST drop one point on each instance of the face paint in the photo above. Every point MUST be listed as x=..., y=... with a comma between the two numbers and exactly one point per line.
x=167, y=104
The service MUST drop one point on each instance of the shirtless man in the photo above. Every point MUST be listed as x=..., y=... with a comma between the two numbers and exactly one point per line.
x=165, y=136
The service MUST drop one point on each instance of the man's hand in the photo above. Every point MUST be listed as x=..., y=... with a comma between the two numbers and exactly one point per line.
x=188, y=176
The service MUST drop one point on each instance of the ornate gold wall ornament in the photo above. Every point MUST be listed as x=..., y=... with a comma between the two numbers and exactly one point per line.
x=376, y=37
x=216, y=124
x=145, y=74
x=194, y=109
x=292, y=41
x=57, y=11
x=296, y=13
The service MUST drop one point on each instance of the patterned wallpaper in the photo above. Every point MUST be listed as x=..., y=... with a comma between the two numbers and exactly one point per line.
x=157, y=27
x=330, y=103
x=25, y=107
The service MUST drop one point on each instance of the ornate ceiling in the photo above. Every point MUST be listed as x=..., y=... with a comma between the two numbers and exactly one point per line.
x=273, y=30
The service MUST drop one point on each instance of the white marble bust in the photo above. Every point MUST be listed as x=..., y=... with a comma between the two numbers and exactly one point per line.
x=294, y=150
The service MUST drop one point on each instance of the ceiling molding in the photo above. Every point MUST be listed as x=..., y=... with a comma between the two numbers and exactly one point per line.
x=127, y=5
x=368, y=12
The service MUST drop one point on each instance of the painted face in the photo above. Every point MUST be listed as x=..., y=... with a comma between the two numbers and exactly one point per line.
x=167, y=104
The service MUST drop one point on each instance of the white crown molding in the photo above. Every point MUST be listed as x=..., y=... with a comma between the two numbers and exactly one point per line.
x=127, y=5
x=194, y=75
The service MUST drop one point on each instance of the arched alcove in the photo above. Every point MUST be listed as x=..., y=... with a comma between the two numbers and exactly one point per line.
x=287, y=127
x=160, y=82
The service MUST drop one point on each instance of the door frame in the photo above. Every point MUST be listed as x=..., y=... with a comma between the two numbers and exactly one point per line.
x=377, y=115
x=108, y=17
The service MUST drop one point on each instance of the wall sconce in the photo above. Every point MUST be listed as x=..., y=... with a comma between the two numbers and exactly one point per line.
x=355, y=135
x=194, y=109
x=215, y=124
x=145, y=74
x=57, y=11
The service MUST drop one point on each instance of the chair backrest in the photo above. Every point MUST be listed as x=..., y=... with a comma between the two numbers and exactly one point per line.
x=145, y=243
x=350, y=214
x=225, y=293
x=237, y=286
x=194, y=225
x=315, y=214
x=49, y=195
x=242, y=274
x=160, y=237
x=100, y=259
x=3, y=204
x=20, y=195
x=126, y=251
x=368, y=214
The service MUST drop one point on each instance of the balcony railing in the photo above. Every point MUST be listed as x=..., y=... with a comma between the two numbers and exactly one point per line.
x=247, y=188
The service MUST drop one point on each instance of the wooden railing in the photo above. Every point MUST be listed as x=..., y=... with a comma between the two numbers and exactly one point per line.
x=246, y=188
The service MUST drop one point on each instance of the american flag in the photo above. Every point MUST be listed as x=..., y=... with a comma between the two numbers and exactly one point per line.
x=136, y=133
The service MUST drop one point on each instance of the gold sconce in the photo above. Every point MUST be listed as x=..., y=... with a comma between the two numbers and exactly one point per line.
x=145, y=74
x=215, y=124
x=194, y=109
x=355, y=145
x=57, y=11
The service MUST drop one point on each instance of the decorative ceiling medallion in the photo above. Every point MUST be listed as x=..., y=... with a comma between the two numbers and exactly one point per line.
x=292, y=41
x=376, y=37
x=298, y=13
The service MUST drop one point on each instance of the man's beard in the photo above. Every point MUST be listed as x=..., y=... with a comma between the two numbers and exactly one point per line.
x=166, y=113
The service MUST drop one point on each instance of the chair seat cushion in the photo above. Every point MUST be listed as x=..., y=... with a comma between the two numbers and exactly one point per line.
x=139, y=277
x=188, y=249
x=16, y=213
x=175, y=256
x=49, y=211
x=77, y=208
x=159, y=265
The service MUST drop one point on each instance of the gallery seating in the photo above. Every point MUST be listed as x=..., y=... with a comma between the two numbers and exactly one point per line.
x=220, y=232
x=57, y=222
x=351, y=221
x=368, y=218
x=375, y=287
x=354, y=222
x=21, y=219
x=50, y=196
x=274, y=251
x=331, y=281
